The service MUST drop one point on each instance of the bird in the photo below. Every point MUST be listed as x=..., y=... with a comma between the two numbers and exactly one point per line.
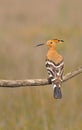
x=55, y=66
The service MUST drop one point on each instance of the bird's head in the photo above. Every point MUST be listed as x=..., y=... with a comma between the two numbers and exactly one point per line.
x=51, y=43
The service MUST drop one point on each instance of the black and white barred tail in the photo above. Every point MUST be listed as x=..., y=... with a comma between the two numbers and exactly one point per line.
x=55, y=72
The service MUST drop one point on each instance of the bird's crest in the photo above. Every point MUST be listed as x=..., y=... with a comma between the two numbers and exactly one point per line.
x=54, y=41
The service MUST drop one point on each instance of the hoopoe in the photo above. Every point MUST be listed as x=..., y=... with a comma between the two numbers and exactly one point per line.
x=55, y=65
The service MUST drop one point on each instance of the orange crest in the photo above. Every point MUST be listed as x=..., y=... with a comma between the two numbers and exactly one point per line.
x=53, y=42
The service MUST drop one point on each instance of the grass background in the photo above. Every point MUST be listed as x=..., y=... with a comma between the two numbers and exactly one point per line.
x=23, y=24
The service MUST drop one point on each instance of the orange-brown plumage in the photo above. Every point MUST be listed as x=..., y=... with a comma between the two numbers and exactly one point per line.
x=52, y=54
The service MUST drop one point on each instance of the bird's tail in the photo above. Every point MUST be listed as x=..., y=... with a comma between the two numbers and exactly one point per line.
x=57, y=91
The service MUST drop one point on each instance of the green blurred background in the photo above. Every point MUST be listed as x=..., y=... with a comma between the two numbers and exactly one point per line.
x=23, y=24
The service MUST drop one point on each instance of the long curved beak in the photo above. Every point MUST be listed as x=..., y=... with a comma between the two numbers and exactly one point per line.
x=60, y=41
x=39, y=44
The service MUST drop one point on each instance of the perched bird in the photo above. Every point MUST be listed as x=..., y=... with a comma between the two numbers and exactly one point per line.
x=55, y=66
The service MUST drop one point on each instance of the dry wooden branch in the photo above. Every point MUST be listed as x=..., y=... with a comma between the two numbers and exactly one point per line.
x=36, y=82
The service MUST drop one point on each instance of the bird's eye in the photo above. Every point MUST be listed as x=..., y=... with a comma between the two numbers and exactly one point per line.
x=51, y=42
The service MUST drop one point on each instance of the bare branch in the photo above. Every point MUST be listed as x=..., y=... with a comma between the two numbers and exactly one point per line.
x=36, y=82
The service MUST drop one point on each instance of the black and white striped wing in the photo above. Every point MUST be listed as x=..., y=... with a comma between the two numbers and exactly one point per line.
x=55, y=71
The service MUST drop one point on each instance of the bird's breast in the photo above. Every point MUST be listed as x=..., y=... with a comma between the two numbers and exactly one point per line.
x=54, y=56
